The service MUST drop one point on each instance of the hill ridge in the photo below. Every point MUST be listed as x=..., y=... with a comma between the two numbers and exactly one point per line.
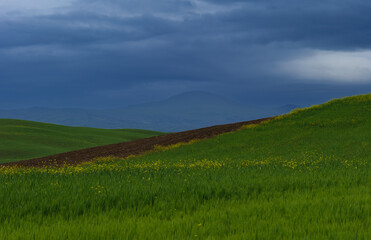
x=126, y=149
x=21, y=139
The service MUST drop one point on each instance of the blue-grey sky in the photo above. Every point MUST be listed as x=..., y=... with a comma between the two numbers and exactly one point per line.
x=111, y=53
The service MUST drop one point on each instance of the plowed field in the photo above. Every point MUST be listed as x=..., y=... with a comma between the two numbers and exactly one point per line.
x=126, y=149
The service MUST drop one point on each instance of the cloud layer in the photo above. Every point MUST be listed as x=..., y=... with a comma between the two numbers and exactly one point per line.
x=90, y=49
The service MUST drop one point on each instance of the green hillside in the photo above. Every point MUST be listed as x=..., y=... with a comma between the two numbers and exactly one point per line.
x=21, y=140
x=306, y=175
x=339, y=129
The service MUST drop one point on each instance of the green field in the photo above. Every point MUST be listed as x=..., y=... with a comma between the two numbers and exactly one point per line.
x=20, y=140
x=301, y=176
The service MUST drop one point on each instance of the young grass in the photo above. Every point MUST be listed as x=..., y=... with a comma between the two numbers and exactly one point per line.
x=20, y=140
x=303, y=176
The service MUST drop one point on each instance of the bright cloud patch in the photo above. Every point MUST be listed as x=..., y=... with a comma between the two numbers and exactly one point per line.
x=31, y=7
x=338, y=66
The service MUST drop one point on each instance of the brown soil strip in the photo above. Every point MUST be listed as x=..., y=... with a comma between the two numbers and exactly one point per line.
x=126, y=149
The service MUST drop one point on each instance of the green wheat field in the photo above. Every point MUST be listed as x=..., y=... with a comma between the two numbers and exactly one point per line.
x=20, y=140
x=304, y=175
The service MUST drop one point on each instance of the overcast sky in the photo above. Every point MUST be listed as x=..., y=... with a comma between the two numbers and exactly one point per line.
x=111, y=53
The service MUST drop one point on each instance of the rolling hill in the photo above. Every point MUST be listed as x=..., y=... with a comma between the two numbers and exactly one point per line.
x=21, y=139
x=337, y=130
x=304, y=175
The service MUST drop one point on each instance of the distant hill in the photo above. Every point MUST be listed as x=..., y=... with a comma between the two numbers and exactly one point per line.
x=288, y=107
x=20, y=140
x=185, y=111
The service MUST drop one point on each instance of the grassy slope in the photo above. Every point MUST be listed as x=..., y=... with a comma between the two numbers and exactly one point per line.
x=339, y=129
x=21, y=140
x=304, y=176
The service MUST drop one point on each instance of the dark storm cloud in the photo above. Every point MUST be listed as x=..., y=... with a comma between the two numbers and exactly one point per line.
x=79, y=29
x=326, y=24
x=102, y=47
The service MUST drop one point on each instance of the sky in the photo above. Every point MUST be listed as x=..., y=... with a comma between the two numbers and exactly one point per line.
x=113, y=53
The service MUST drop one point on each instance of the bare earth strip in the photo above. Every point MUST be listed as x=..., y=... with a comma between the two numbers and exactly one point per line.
x=126, y=149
